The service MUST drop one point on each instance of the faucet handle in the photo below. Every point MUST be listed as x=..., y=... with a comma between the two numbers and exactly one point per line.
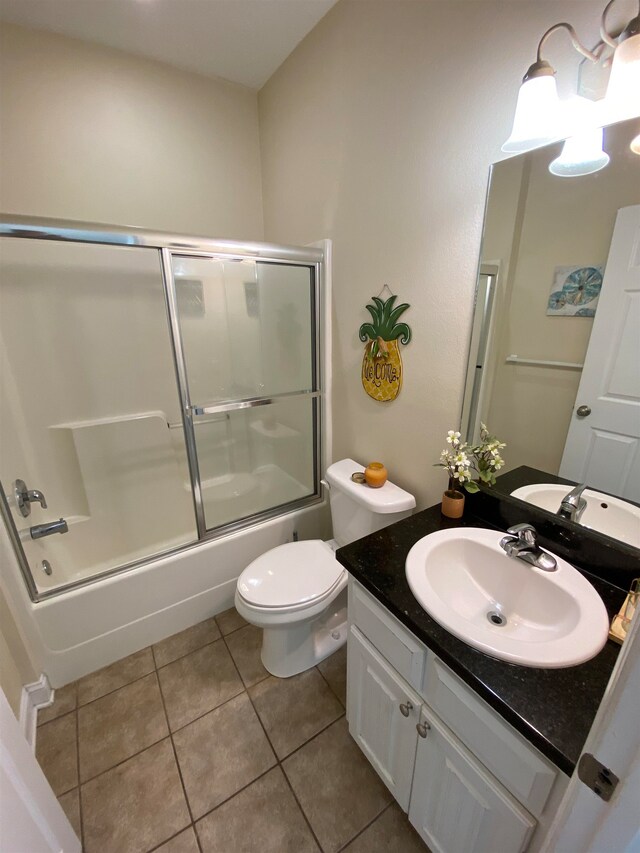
x=575, y=495
x=525, y=532
x=25, y=497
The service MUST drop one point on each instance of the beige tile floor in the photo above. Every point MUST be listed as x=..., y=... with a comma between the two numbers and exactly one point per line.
x=190, y=746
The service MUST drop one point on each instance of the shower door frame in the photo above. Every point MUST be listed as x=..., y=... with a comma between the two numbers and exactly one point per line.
x=169, y=245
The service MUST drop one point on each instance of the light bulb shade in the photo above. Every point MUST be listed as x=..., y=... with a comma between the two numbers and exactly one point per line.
x=581, y=155
x=623, y=91
x=537, y=117
x=635, y=144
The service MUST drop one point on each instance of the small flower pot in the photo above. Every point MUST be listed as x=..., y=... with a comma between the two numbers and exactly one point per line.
x=453, y=503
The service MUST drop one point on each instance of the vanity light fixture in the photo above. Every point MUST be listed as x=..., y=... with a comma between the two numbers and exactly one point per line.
x=582, y=153
x=623, y=92
x=538, y=117
x=541, y=118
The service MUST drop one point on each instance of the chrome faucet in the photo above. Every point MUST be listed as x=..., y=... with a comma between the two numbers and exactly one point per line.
x=25, y=497
x=38, y=531
x=573, y=504
x=521, y=543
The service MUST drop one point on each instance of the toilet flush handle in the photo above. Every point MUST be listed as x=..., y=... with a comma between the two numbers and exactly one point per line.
x=325, y=484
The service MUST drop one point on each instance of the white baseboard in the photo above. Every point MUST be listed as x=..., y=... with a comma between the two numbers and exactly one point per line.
x=38, y=694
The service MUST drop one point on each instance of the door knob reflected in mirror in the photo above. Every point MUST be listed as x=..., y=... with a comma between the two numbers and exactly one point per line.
x=583, y=411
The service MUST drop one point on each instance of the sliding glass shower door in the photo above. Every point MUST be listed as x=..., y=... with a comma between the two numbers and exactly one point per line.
x=91, y=437
x=246, y=329
x=156, y=391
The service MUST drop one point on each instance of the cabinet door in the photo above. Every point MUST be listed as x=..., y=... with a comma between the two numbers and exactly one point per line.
x=457, y=805
x=385, y=731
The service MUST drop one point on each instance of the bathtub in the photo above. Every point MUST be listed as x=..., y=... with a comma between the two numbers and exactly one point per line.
x=81, y=630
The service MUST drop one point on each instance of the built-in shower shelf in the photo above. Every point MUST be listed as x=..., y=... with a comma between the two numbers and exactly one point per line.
x=116, y=419
x=278, y=430
x=124, y=471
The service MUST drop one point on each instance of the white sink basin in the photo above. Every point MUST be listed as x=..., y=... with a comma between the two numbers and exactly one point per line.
x=606, y=514
x=467, y=583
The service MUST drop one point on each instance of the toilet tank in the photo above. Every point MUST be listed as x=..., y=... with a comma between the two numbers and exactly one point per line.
x=357, y=509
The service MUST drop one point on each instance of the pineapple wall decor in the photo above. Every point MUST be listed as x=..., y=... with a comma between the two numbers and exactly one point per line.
x=382, y=363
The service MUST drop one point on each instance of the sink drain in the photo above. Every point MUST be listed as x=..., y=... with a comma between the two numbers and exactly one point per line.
x=496, y=618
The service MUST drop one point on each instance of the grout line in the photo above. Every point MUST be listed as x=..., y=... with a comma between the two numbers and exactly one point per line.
x=253, y=683
x=197, y=835
x=173, y=747
x=124, y=760
x=79, y=782
x=139, y=677
x=365, y=828
x=186, y=654
x=330, y=687
x=314, y=735
x=55, y=720
x=235, y=630
x=235, y=793
x=278, y=761
x=115, y=690
x=204, y=714
x=175, y=835
x=302, y=811
x=192, y=652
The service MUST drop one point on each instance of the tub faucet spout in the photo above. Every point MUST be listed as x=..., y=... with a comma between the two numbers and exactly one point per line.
x=38, y=531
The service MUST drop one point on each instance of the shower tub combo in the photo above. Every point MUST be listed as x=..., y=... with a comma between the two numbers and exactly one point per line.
x=163, y=423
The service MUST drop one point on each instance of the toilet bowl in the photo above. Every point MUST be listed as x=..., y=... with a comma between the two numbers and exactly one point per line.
x=297, y=592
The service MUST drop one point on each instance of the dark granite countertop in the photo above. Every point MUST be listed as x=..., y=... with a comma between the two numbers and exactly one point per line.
x=552, y=708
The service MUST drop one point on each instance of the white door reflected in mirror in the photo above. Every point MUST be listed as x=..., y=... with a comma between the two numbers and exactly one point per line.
x=603, y=447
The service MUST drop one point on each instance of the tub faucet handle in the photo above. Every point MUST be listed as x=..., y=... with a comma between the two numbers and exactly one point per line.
x=25, y=497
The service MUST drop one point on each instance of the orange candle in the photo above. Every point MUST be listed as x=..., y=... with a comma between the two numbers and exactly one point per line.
x=375, y=474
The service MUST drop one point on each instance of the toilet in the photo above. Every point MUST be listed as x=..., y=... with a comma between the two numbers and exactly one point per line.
x=297, y=592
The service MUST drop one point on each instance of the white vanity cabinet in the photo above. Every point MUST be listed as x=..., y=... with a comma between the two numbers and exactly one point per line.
x=457, y=804
x=383, y=713
x=467, y=779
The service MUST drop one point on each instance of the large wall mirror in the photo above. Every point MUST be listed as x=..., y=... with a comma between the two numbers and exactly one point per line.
x=554, y=364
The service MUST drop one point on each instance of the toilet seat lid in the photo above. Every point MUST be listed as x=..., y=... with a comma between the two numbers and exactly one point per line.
x=295, y=573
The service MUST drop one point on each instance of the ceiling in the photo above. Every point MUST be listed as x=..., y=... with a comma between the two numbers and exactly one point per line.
x=239, y=40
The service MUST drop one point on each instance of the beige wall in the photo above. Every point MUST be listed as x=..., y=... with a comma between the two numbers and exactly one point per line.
x=378, y=132
x=94, y=134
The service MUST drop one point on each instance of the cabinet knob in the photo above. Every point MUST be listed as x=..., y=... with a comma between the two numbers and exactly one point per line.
x=406, y=708
x=423, y=728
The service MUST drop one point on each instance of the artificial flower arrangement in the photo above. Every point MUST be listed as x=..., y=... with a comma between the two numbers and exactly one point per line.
x=461, y=460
